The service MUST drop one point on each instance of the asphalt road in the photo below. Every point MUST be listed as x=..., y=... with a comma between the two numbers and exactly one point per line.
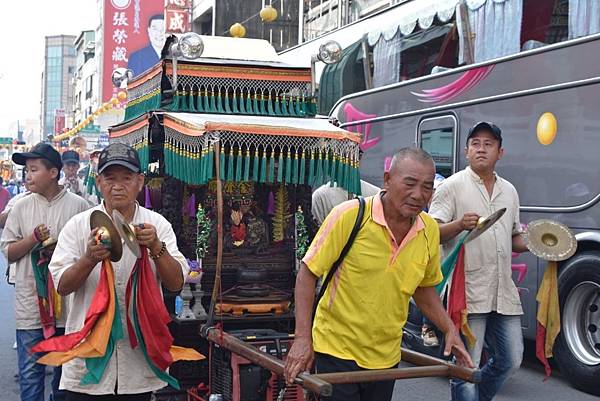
x=527, y=384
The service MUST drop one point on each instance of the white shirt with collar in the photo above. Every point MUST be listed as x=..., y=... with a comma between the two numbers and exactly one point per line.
x=127, y=370
x=26, y=214
x=488, y=276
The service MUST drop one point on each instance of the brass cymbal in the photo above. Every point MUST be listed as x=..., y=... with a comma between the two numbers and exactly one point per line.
x=108, y=233
x=550, y=240
x=127, y=232
x=484, y=223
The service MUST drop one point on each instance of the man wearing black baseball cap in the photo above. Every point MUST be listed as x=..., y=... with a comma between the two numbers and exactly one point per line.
x=34, y=223
x=493, y=304
x=76, y=267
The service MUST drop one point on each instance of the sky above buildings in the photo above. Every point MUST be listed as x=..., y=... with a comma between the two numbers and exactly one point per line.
x=22, y=32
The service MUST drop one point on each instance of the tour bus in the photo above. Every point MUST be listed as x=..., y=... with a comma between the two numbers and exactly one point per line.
x=545, y=102
x=513, y=65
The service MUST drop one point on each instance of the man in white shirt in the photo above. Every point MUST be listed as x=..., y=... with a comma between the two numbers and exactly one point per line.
x=326, y=197
x=493, y=303
x=34, y=219
x=76, y=266
x=71, y=181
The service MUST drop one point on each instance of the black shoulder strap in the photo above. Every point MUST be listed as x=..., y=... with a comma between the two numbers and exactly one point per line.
x=338, y=262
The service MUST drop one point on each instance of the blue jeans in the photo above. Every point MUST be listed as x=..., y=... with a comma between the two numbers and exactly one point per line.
x=503, y=340
x=31, y=374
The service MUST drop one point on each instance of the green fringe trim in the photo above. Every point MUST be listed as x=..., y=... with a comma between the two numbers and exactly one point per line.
x=263, y=167
x=280, y=166
x=236, y=110
x=302, y=168
x=222, y=164
x=295, y=167
x=238, y=166
x=256, y=166
x=288, y=167
x=144, y=104
x=230, y=166
x=272, y=166
x=247, y=165
x=220, y=108
x=311, y=169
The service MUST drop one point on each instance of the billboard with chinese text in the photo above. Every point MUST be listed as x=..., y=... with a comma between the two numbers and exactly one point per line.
x=178, y=16
x=134, y=34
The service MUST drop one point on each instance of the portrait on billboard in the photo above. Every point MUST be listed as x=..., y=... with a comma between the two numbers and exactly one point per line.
x=146, y=57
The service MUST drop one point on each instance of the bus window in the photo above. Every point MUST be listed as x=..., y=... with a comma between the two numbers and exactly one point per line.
x=437, y=136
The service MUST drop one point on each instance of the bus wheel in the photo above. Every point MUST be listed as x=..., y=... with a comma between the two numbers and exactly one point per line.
x=577, y=349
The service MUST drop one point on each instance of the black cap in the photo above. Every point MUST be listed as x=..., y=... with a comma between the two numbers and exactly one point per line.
x=39, y=151
x=70, y=156
x=121, y=155
x=485, y=126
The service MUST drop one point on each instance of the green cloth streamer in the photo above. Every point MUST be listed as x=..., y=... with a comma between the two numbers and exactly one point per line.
x=449, y=263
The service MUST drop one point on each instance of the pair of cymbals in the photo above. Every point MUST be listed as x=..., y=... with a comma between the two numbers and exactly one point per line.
x=550, y=240
x=114, y=232
x=483, y=224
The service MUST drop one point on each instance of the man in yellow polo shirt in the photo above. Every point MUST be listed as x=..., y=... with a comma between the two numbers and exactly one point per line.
x=395, y=256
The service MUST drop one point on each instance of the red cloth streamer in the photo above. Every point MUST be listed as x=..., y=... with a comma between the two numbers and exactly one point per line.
x=97, y=307
x=457, y=299
x=152, y=315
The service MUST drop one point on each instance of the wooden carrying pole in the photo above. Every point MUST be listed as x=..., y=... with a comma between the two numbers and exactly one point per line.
x=454, y=371
x=264, y=360
x=321, y=383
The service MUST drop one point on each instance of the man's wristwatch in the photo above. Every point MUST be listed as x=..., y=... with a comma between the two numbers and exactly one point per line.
x=163, y=250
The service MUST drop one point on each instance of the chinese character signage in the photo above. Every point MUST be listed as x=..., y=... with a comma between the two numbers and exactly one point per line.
x=59, y=120
x=178, y=15
x=134, y=34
